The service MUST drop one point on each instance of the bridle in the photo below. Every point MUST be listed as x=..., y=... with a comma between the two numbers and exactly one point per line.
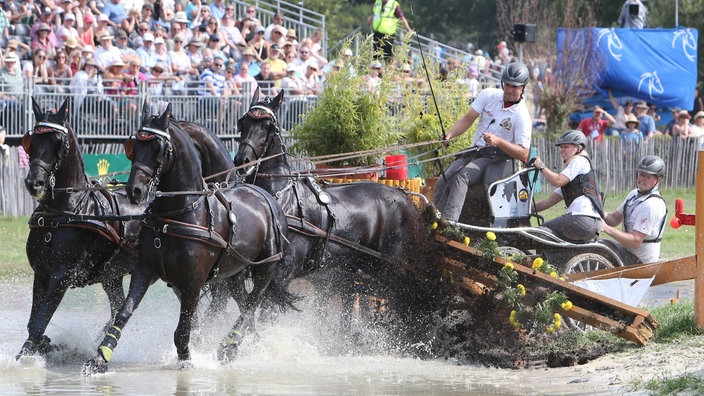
x=166, y=150
x=260, y=112
x=42, y=128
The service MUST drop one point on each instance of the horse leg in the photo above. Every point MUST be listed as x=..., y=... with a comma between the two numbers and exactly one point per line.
x=116, y=296
x=139, y=283
x=229, y=346
x=182, y=335
x=46, y=297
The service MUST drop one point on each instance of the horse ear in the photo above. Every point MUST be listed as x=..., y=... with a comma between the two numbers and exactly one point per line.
x=38, y=113
x=164, y=118
x=255, y=97
x=145, y=113
x=62, y=114
x=277, y=101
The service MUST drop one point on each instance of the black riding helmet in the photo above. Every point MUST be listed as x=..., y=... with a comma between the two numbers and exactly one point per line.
x=652, y=165
x=515, y=74
x=573, y=137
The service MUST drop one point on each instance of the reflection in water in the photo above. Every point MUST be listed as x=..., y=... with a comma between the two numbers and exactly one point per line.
x=301, y=354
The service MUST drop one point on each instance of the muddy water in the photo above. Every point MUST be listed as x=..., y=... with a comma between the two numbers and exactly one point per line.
x=300, y=355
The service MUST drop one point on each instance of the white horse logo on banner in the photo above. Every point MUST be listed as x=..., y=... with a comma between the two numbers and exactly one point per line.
x=689, y=43
x=653, y=82
x=614, y=44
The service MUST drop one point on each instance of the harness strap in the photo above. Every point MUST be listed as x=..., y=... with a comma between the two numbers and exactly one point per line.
x=312, y=230
x=662, y=223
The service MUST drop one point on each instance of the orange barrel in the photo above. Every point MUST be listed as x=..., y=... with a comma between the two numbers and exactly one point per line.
x=397, y=167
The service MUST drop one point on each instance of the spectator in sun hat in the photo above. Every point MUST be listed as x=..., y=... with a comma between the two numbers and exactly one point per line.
x=19, y=48
x=106, y=54
x=278, y=35
x=313, y=86
x=698, y=126
x=70, y=44
x=276, y=20
x=631, y=137
x=682, y=127
x=45, y=17
x=193, y=51
x=11, y=83
x=647, y=123
x=291, y=39
x=42, y=42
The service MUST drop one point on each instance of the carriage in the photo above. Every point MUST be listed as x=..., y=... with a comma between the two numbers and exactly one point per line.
x=509, y=205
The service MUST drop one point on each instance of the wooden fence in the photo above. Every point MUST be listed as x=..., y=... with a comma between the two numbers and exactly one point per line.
x=614, y=162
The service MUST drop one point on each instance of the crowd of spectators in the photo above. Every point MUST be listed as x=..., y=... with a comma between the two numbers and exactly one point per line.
x=182, y=48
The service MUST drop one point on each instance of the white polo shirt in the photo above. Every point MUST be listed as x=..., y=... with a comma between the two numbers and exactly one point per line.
x=511, y=123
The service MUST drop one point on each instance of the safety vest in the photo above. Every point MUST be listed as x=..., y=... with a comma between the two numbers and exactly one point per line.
x=584, y=185
x=384, y=18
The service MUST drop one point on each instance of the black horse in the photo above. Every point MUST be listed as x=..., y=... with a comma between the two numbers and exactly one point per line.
x=193, y=235
x=359, y=228
x=72, y=241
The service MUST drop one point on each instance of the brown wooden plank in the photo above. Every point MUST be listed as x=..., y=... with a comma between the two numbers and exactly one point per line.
x=557, y=284
x=639, y=330
x=628, y=332
x=665, y=271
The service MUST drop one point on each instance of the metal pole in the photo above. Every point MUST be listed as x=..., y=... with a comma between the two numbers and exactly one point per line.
x=520, y=52
x=677, y=13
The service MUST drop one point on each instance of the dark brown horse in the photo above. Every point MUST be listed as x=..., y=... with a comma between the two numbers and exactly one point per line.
x=362, y=228
x=194, y=234
x=72, y=241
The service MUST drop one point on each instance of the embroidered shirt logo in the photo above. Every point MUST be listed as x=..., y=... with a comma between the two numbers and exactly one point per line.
x=506, y=124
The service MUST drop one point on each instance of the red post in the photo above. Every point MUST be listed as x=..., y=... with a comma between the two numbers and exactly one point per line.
x=699, y=245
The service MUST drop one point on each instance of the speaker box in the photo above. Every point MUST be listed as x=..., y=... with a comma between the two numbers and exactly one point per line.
x=524, y=32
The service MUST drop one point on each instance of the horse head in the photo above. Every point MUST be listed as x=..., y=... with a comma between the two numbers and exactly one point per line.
x=151, y=151
x=259, y=129
x=48, y=145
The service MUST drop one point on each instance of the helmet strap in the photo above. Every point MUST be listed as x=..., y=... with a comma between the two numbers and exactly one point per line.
x=509, y=103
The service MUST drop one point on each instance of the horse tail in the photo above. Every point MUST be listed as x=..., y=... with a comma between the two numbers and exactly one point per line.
x=278, y=294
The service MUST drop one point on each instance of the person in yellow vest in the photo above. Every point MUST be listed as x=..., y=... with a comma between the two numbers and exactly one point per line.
x=384, y=23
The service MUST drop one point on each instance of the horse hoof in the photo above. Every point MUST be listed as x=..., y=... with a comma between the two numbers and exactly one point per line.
x=227, y=353
x=97, y=365
x=44, y=346
x=186, y=365
x=30, y=348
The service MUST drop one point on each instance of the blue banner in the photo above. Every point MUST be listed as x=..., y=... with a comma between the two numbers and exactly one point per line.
x=654, y=65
